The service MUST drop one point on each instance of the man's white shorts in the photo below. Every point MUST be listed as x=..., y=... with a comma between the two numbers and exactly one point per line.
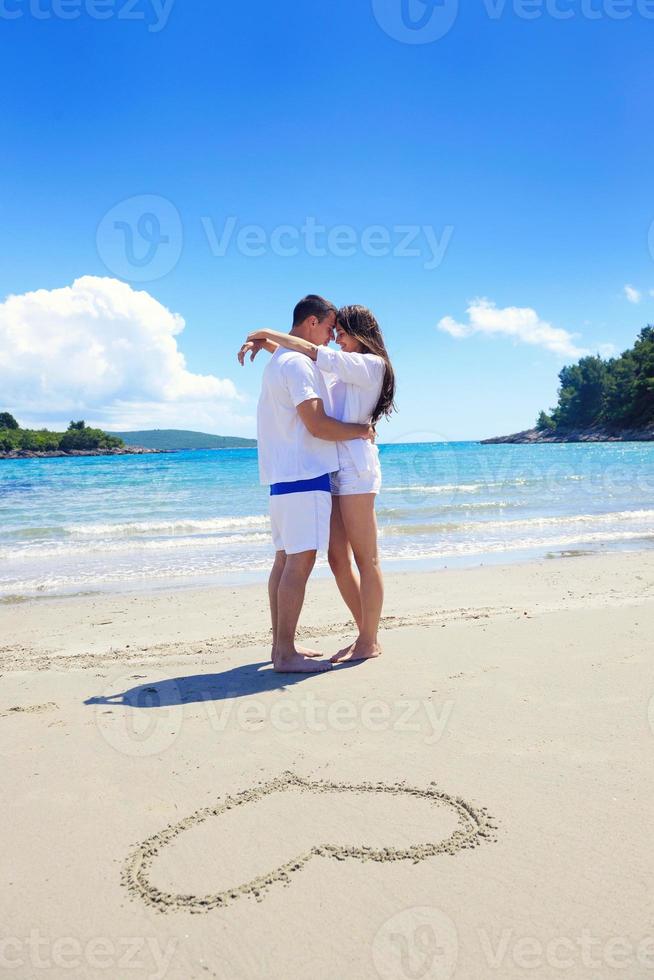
x=300, y=521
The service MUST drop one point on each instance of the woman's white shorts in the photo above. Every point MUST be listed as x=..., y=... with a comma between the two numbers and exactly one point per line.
x=348, y=481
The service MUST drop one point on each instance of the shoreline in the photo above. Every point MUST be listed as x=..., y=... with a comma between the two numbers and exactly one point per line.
x=257, y=578
x=534, y=437
x=33, y=623
x=76, y=453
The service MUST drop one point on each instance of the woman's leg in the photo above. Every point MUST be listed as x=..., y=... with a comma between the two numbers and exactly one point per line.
x=340, y=562
x=360, y=525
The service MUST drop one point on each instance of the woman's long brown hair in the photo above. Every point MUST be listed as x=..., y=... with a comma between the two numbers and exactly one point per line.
x=360, y=323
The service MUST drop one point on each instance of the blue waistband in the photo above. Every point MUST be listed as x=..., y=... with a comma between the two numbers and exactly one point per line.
x=300, y=486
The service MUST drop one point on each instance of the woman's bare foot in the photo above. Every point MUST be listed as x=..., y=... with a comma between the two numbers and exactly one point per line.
x=342, y=653
x=307, y=651
x=294, y=662
x=357, y=651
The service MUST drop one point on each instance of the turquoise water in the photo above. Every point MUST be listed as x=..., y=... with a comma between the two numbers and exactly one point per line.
x=90, y=523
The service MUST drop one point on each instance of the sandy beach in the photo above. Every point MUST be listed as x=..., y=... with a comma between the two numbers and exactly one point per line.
x=474, y=804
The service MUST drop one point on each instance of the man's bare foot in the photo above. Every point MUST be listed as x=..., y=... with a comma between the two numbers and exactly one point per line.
x=305, y=651
x=295, y=663
x=357, y=651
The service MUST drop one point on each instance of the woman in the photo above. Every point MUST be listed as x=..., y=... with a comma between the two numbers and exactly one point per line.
x=362, y=385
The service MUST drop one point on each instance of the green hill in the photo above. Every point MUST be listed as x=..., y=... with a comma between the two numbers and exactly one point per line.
x=600, y=400
x=181, y=439
x=617, y=393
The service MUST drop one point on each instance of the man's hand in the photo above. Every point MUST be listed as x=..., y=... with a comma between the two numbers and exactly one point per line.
x=251, y=347
x=323, y=426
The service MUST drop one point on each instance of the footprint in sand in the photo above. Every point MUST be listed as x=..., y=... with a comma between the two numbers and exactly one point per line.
x=206, y=860
x=30, y=709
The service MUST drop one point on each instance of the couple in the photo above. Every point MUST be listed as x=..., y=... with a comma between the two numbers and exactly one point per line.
x=316, y=429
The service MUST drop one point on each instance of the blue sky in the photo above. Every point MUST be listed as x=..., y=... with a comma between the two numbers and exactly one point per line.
x=523, y=145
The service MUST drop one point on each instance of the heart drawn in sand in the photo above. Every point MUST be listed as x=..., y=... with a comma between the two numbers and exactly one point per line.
x=473, y=826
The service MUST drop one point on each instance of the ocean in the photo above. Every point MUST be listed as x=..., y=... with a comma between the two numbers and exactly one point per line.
x=85, y=524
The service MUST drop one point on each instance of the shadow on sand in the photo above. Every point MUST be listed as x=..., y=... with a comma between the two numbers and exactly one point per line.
x=238, y=682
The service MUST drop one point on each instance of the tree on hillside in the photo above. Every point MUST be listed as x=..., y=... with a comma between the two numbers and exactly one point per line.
x=80, y=436
x=582, y=393
x=621, y=390
x=643, y=355
x=77, y=426
x=545, y=422
x=618, y=393
x=7, y=421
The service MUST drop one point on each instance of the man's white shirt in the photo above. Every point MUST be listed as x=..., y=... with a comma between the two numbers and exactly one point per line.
x=287, y=450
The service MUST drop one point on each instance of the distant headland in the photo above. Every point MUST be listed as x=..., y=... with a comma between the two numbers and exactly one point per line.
x=593, y=434
x=174, y=439
x=600, y=400
x=82, y=440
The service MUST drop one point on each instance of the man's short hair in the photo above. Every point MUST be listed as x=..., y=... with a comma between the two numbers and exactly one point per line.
x=312, y=305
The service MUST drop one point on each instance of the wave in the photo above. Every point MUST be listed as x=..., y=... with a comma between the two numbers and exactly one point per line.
x=467, y=505
x=136, y=528
x=63, y=549
x=474, y=487
x=624, y=516
x=463, y=548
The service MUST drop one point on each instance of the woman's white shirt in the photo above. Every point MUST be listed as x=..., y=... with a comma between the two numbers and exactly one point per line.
x=355, y=382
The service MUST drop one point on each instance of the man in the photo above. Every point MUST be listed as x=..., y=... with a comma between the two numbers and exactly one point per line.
x=297, y=452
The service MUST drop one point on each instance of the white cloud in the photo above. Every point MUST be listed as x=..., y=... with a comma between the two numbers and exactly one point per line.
x=521, y=323
x=607, y=350
x=103, y=351
x=632, y=294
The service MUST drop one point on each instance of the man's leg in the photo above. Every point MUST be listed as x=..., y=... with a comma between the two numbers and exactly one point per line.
x=273, y=586
x=290, y=599
x=273, y=589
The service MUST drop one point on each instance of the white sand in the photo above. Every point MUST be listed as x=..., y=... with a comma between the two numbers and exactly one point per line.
x=477, y=803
